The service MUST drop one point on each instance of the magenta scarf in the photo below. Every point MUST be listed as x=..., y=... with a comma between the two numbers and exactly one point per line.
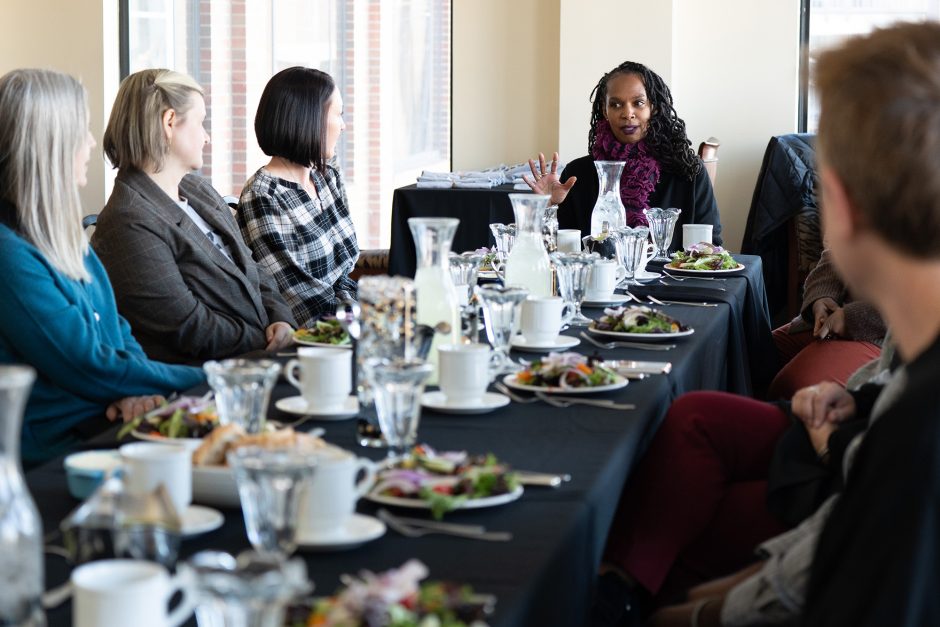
x=640, y=174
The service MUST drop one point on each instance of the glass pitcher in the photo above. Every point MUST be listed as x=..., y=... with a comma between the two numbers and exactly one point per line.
x=435, y=293
x=21, y=553
x=608, y=207
x=528, y=265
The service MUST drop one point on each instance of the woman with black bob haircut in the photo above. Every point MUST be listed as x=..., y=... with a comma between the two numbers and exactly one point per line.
x=293, y=212
x=633, y=120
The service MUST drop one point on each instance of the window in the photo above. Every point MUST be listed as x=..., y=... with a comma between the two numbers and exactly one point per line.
x=390, y=59
x=828, y=22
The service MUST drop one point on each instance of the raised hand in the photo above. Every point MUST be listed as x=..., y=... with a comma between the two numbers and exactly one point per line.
x=545, y=179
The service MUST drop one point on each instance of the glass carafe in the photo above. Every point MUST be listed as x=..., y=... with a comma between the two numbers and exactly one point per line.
x=608, y=208
x=21, y=582
x=435, y=294
x=528, y=265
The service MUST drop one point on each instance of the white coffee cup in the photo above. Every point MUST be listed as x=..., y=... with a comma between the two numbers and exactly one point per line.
x=541, y=319
x=325, y=376
x=568, y=241
x=329, y=498
x=465, y=372
x=147, y=465
x=117, y=593
x=603, y=278
x=692, y=234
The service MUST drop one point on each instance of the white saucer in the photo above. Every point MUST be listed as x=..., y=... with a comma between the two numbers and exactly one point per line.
x=297, y=405
x=358, y=530
x=644, y=275
x=438, y=402
x=616, y=299
x=198, y=519
x=559, y=343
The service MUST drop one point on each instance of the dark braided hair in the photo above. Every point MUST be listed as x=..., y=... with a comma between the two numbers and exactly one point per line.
x=665, y=136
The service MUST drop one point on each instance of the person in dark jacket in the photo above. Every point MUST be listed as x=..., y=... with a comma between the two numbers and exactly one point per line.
x=632, y=120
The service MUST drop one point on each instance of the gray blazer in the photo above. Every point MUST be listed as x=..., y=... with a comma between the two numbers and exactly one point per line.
x=185, y=300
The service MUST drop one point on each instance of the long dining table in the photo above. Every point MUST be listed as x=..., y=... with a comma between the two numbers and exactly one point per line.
x=545, y=574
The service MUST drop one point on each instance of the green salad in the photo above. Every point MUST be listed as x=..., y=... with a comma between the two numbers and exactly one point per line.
x=703, y=257
x=326, y=331
x=637, y=320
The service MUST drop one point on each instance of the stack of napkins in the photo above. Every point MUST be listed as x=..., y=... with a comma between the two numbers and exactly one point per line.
x=479, y=179
x=435, y=180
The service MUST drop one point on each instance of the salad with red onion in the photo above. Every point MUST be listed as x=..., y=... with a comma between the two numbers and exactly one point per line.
x=703, y=256
x=566, y=370
x=445, y=479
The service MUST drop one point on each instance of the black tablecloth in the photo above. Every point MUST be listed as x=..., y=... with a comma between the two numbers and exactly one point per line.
x=476, y=209
x=544, y=575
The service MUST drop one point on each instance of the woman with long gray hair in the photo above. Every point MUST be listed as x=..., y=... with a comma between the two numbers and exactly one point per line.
x=58, y=313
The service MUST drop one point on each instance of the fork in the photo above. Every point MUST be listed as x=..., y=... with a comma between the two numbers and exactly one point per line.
x=441, y=528
x=555, y=401
x=694, y=278
x=640, y=345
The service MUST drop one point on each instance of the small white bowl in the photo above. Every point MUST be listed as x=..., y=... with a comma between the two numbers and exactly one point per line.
x=85, y=471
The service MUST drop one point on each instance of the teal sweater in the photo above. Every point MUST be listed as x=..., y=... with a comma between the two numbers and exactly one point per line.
x=83, y=351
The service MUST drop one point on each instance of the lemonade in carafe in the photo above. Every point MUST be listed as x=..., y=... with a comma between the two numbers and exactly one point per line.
x=435, y=294
x=528, y=265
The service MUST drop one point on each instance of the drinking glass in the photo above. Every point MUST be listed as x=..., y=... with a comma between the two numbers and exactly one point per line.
x=504, y=236
x=398, y=385
x=632, y=251
x=572, y=270
x=501, y=306
x=662, y=223
x=251, y=590
x=269, y=484
x=242, y=390
x=463, y=270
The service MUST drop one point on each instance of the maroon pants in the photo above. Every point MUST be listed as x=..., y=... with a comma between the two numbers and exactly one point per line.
x=809, y=360
x=695, y=507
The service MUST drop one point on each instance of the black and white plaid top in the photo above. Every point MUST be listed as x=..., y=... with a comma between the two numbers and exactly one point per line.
x=307, y=244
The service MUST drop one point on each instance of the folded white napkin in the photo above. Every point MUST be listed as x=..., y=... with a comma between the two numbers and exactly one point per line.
x=427, y=175
x=435, y=184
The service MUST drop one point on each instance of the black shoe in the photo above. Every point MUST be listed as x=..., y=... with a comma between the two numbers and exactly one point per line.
x=616, y=603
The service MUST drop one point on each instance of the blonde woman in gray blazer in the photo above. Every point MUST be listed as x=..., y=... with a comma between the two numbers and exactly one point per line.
x=182, y=275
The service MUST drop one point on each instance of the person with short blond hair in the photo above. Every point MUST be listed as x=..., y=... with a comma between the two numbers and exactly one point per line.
x=182, y=275
x=58, y=312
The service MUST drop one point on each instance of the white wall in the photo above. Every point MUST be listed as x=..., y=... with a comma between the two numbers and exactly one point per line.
x=731, y=64
x=69, y=37
x=505, y=89
x=735, y=76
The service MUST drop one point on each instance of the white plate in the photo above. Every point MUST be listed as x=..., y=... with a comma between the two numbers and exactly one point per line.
x=619, y=382
x=616, y=299
x=297, y=405
x=646, y=337
x=438, y=402
x=667, y=268
x=198, y=520
x=487, y=501
x=358, y=530
x=645, y=275
x=487, y=274
x=323, y=344
x=190, y=443
x=559, y=343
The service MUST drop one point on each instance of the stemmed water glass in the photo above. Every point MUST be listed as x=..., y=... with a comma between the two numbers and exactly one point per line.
x=631, y=251
x=463, y=270
x=662, y=223
x=242, y=390
x=572, y=270
x=269, y=485
x=504, y=236
x=398, y=385
x=501, y=306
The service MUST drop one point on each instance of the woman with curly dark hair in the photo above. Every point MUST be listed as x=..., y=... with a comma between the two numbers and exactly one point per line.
x=632, y=120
